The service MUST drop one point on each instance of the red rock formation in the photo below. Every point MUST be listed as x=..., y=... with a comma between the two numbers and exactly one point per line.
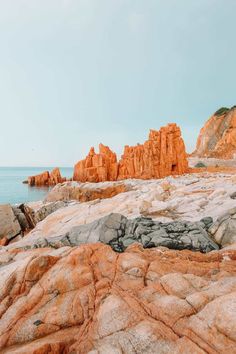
x=46, y=179
x=89, y=299
x=99, y=167
x=163, y=154
x=218, y=136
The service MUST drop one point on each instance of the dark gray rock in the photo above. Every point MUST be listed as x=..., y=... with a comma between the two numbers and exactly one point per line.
x=119, y=232
x=233, y=195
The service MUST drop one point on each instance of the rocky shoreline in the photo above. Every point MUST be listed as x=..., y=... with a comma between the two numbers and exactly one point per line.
x=121, y=267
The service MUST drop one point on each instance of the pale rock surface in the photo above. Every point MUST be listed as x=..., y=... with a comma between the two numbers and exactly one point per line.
x=189, y=197
x=223, y=231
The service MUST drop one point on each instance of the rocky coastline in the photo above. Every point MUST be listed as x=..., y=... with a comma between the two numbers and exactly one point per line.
x=95, y=265
x=132, y=256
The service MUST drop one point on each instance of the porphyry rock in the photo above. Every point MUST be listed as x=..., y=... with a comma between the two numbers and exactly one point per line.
x=91, y=300
x=218, y=136
x=46, y=178
x=163, y=154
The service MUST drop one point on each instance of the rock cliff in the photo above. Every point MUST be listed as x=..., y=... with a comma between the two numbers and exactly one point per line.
x=217, y=139
x=163, y=154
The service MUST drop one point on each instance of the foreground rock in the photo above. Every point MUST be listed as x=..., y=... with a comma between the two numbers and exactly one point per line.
x=46, y=178
x=16, y=221
x=163, y=154
x=9, y=225
x=217, y=138
x=89, y=299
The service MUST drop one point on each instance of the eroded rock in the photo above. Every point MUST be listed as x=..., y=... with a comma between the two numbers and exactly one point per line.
x=85, y=192
x=46, y=178
x=223, y=230
x=9, y=225
x=89, y=299
x=163, y=154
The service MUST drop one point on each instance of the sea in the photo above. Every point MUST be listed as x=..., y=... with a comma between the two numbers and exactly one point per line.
x=12, y=189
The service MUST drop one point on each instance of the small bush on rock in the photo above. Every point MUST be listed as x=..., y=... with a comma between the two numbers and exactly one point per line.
x=200, y=165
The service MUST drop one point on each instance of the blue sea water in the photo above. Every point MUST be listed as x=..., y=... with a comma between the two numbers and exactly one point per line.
x=13, y=191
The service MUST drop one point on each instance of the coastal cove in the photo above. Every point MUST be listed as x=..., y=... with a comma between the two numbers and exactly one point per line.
x=13, y=191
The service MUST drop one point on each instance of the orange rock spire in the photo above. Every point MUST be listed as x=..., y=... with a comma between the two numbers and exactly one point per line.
x=161, y=155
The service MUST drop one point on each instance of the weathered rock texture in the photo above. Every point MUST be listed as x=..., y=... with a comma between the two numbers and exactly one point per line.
x=217, y=138
x=89, y=299
x=85, y=192
x=16, y=221
x=9, y=225
x=163, y=154
x=46, y=178
x=99, y=167
x=223, y=231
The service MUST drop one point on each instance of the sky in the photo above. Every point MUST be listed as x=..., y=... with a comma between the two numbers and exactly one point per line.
x=74, y=73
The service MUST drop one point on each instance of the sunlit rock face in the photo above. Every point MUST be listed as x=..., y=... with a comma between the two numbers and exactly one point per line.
x=218, y=136
x=163, y=154
x=46, y=178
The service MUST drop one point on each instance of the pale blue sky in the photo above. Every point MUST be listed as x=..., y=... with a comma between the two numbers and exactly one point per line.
x=74, y=73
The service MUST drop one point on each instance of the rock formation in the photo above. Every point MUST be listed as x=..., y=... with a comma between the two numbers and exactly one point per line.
x=46, y=178
x=99, y=167
x=85, y=192
x=16, y=221
x=9, y=225
x=91, y=300
x=163, y=154
x=119, y=232
x=217, y=138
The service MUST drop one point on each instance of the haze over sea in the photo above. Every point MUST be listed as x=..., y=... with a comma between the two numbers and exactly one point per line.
x=13, y=191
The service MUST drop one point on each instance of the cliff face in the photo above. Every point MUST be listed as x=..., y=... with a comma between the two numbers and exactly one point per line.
x=218, y=136
x=163, y=154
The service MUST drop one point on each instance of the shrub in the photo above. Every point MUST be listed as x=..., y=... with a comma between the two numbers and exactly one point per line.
x=200, y=165
x=221, y=111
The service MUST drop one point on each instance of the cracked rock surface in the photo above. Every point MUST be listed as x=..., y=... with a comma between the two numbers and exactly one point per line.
x=89, y=299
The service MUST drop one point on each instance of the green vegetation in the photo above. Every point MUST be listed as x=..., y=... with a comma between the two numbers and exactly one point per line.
x=221, y=111
x=200, y=164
